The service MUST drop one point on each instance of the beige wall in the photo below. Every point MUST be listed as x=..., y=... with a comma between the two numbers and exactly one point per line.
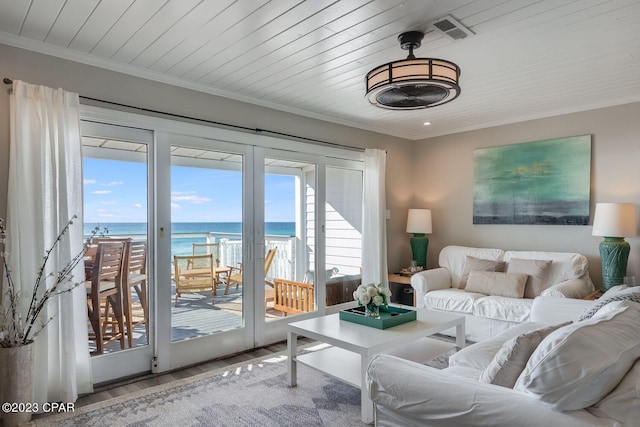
x=116, y=87
x=443, y=181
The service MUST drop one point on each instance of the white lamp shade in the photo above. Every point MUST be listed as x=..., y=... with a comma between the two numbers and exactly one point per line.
x=419, y=221
x=614, y=220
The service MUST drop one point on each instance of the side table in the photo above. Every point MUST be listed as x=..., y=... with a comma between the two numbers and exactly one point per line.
x=403, y=286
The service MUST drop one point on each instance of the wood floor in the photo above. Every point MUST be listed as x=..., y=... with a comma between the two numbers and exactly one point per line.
x=120, y=388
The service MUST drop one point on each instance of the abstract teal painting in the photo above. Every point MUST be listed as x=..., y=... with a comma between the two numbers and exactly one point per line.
x=541, y=182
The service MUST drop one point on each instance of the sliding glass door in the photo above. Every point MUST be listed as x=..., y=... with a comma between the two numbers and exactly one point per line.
x=116, y=173
x=312, y=217
x=207, y=298
x=240, y=237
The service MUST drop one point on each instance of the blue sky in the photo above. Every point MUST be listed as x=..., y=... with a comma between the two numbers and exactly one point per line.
x=115, y=191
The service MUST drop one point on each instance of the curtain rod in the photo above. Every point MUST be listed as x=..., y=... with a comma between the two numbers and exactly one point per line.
x=8, y=81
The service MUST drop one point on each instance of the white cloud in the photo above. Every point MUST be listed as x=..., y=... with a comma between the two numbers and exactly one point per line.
x=112, y=183
x=193, y=199
x=89, y=181
x=175, y=206
x=137, y=205
x=101, y=192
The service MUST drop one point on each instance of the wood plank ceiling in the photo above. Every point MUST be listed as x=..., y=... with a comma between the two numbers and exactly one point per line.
x=525, y=59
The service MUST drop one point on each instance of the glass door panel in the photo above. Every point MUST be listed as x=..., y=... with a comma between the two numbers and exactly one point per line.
x=206, y=242
x=115, y=209
x=343, y=233
x=289, y=223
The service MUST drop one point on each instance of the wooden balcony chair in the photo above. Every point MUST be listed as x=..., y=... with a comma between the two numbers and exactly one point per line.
x=105, y=290
x=293, y=297
x=221, y=273
x=135, y=280
x=236, y=278
x=194, y=273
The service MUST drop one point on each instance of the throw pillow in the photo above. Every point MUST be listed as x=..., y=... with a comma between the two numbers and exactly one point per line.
x=478, y=264
x=537, y=271
x=511, y=359
x=629, y=294
x=496, y=283
x=577, y=365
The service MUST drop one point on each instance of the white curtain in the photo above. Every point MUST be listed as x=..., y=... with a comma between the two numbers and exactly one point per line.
x=45, y=191
x=374, y=239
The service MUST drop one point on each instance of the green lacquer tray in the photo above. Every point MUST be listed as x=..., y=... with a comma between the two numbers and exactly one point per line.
x=389, y=317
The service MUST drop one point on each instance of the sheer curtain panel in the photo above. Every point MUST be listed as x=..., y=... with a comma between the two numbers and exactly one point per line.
x=45, y=191
x=374, y=238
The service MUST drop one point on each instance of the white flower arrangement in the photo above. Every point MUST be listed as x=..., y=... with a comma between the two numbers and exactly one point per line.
x=372, y=296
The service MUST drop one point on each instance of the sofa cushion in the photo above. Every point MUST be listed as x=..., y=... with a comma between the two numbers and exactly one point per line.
x=478, y=264
x=453, y=259
x=452, y=300
x=579, y=364
x=537, y=271
x=479, y=355
x=623, y=403
x=496, y=283
x=503, y=308
x=564, y=265
x=511, y=359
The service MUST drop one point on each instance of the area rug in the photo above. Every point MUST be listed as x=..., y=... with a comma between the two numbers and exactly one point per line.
x=252, y=393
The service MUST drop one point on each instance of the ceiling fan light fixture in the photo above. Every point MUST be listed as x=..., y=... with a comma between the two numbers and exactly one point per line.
x=413, y=83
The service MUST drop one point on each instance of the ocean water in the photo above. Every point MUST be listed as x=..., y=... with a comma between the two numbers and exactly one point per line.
x=182, y=245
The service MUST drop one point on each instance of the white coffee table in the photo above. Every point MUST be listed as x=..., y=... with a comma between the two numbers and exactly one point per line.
x=354, y=345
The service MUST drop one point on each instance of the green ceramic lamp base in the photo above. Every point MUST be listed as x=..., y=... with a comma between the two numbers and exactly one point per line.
x=419, y=245
x=614, y=252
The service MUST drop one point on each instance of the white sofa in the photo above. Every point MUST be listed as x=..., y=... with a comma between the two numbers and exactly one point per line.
x=410, y=394
x=567, y=276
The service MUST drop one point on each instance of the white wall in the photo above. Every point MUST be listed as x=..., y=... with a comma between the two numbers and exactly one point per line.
x=103, y=84
x=443, y=181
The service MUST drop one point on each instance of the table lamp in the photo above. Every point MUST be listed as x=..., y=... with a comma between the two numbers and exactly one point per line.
x=419, y=223
x=614, y=222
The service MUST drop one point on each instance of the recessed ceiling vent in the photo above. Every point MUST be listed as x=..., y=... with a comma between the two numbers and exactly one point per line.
x=451, y=28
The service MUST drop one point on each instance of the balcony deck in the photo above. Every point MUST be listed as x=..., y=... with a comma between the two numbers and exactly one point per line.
x=196, y=315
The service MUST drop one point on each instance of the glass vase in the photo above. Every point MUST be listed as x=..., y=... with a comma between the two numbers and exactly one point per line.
x=372, y=310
